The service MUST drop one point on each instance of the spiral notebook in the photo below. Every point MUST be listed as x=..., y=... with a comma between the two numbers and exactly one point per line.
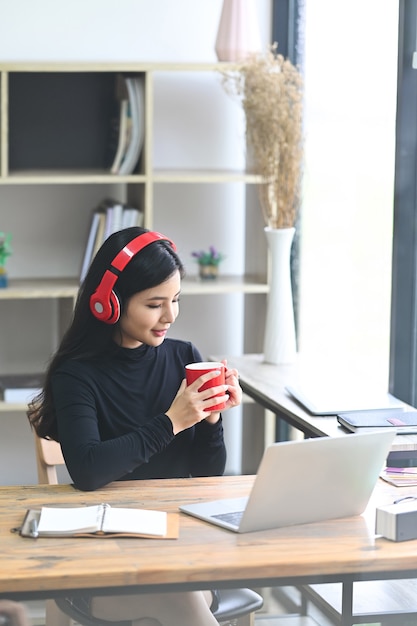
x=101, y=520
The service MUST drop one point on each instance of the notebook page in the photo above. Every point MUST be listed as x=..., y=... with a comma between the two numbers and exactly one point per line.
x=69, y=520
x=142, y=521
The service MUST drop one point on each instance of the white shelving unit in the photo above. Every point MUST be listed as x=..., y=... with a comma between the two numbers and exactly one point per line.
x=43, y=107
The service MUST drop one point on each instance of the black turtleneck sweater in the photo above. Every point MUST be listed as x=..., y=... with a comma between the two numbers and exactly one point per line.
x=112, y=423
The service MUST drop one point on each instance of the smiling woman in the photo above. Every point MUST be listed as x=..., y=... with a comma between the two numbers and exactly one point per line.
x=116, y=398
x=150, y=313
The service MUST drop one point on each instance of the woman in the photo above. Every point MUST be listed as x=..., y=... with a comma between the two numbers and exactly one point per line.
x=116, y=399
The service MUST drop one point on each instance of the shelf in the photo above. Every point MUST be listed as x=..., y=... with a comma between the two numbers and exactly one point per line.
x=44, y=106
x=80, y=177
x=114, y=67
x=12, y=407
x=40, y=288
x=68, y=287
x=224, y=285
x=205, y=176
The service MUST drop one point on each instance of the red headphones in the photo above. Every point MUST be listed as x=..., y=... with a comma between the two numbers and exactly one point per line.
x=104, y=303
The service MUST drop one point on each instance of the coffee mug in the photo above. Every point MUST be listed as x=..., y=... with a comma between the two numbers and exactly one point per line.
x=195, y=370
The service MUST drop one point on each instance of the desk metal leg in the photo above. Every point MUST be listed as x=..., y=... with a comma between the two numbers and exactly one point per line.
x=347, y=604
x=282, y=429
x=269, y=427
x=275, y=429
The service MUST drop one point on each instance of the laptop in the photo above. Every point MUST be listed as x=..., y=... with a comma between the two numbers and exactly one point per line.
x=331, y=400
x=304, y=481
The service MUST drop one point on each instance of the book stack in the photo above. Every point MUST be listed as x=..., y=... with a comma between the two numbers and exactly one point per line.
x=109, y=217
x=400, y=476
x=130, y=93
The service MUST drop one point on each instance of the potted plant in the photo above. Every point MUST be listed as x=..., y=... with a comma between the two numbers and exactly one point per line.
x=208, y=262
x=5, y=251
x=270, y=89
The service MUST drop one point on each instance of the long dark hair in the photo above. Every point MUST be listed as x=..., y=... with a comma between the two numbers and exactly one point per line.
x=87, y=337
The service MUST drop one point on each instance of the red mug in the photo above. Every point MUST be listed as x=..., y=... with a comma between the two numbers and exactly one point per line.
x=195, y=370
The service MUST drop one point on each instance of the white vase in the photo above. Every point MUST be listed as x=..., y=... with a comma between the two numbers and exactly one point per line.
x=280, y=340
x=238, y=31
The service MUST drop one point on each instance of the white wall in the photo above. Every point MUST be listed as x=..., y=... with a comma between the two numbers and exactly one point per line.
x=114, y=30
x=128, y=30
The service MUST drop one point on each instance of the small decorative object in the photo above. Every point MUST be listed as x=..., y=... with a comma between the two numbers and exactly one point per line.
x=238, y=32
x=5, y=251
x=208, y=262
x=271, y=92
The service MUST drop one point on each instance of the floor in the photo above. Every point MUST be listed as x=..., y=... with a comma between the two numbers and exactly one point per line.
x=272, y=614
x=388, y=597
x=275, y=614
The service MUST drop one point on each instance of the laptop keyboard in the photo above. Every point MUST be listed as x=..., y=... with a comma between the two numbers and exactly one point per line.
x=233, y=517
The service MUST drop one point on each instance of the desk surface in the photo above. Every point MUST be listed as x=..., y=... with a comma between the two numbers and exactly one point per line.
x=203, y=555
x=266, y=383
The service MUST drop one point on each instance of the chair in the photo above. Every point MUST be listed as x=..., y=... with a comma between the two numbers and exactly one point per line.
x=48, y=456
x=236, y=606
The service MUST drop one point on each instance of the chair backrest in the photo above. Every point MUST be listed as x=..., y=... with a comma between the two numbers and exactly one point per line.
x=48, y=456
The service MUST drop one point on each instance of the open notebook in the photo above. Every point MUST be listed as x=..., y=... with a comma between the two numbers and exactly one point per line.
x=304, y=481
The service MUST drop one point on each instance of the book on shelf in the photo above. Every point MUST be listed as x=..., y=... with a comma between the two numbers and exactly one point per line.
x=124, y=132
x=113, y=222
x=132, y=217
x=134, y=144
x=20, y=388
x=99, y=520
x=88, y=253
x=101, y=230
x=109, y=217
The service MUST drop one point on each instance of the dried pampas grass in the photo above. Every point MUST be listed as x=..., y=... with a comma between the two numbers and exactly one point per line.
x=270, y=88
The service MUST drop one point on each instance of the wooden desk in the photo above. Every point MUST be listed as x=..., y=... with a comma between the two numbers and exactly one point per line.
x=202, y=557
x=266, y=383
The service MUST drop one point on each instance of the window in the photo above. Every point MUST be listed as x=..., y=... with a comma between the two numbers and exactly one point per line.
x=346, y=231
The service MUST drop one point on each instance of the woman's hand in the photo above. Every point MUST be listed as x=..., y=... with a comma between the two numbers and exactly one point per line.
x=234, y=391
x=190, y=405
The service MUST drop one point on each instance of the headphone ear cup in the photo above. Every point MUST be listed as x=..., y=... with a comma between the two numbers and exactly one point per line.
x=104, y=304
x=105, y=310
x=115, y=309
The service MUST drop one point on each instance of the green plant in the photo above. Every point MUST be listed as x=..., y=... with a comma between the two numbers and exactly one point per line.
x=5, y=247
x=208, y=257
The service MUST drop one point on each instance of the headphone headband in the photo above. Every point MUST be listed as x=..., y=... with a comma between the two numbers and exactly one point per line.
x=136, y=245
x=104, y=303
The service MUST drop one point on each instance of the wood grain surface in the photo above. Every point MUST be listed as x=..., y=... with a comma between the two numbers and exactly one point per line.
x=202, y=555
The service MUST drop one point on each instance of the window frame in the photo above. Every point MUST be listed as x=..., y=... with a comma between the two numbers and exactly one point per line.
x=403, y=338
